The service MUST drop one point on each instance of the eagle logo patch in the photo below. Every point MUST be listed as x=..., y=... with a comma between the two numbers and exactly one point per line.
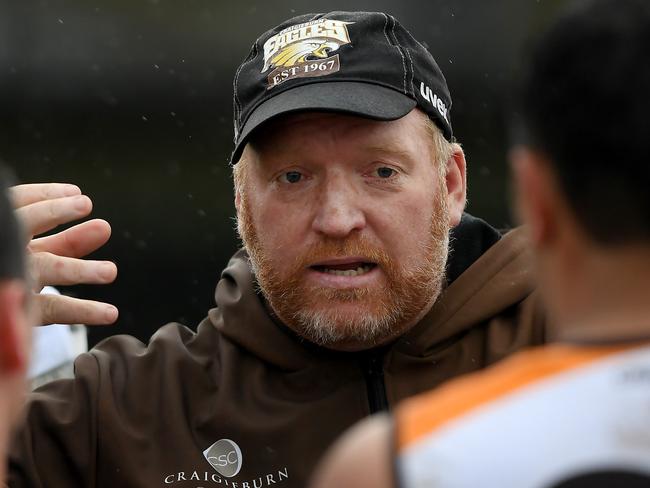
x=305, y=50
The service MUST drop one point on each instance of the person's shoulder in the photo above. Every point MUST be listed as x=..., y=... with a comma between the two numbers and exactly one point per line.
x=123, y=348
x=129, y=365
x=426, y=414
x=172, y=341
x=172, y=336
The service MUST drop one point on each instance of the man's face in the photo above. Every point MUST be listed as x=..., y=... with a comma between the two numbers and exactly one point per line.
x=346, y=223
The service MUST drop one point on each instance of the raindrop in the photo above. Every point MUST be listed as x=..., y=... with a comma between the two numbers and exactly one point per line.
x=173, y=114
x=60, y=21
x=450, y=61
x=156, y=66
x=144, y=117
x=201, y=213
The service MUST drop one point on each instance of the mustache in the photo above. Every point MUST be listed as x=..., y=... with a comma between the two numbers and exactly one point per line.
x=339, y=248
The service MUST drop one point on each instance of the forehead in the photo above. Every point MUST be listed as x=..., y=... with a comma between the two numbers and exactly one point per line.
x=296, y=131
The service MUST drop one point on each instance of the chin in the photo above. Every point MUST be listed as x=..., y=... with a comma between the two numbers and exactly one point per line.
x=346, y=326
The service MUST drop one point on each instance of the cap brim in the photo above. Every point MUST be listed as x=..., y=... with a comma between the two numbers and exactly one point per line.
x=349, y=97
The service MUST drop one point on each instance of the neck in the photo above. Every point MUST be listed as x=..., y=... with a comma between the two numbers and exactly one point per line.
x=603, y=295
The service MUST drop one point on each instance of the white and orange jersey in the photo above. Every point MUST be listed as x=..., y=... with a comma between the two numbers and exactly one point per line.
x=547, y=417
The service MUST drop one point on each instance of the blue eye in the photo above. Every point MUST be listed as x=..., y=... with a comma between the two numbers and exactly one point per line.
x=292, y=176
x=385, y=172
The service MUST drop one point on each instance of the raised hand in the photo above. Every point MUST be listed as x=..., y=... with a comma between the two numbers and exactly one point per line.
x=56, y=259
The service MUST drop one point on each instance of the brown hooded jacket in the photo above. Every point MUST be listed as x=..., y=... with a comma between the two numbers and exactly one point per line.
x=243, y=402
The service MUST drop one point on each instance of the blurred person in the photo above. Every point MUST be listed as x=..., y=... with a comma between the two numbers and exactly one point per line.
x=574, y=413
x=14, y=323
x=361, y=281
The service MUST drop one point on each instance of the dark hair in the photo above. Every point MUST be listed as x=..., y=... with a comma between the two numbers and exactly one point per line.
x=11, y=249
x=585, y=104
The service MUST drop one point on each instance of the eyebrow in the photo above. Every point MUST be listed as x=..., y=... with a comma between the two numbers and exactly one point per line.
x=388, y=151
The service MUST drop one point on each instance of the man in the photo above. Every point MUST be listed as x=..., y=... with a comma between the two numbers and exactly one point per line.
x=574, y=413
x=345, y=300
x=14, y=323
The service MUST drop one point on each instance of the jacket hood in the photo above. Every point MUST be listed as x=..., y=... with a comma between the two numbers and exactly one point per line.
x=500, y=278
x=488, y=274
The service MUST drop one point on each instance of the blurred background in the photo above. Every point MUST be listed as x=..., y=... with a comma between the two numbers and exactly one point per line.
x=131, y=100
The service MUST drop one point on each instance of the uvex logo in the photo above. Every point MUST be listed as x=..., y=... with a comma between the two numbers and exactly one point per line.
x=433, y=99
x=225, y=457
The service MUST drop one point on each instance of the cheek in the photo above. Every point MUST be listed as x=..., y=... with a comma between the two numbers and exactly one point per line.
x=405, y=225
x=279, y=225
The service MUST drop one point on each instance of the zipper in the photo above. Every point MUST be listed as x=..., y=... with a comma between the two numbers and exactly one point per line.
x=373, y=372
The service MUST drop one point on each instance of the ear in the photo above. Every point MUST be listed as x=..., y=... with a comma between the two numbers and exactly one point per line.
x=13, y=328
x=456, y=181
x=534, y=193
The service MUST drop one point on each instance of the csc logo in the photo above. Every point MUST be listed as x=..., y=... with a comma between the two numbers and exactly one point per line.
x=225, y=457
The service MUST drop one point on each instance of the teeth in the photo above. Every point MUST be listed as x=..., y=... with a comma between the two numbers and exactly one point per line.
x=349, y=272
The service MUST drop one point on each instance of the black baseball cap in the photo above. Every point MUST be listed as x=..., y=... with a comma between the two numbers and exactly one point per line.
x=359, y=63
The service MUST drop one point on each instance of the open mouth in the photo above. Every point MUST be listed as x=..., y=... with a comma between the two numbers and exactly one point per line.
x=356, y=268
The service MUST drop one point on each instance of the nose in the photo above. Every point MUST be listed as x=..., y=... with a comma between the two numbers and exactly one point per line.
x=339, y=211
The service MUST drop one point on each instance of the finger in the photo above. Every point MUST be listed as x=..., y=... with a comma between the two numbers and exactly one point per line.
x=75, y=242
x=22, y=195
x=60, y=309
x=50, y=269
x=42, y=216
